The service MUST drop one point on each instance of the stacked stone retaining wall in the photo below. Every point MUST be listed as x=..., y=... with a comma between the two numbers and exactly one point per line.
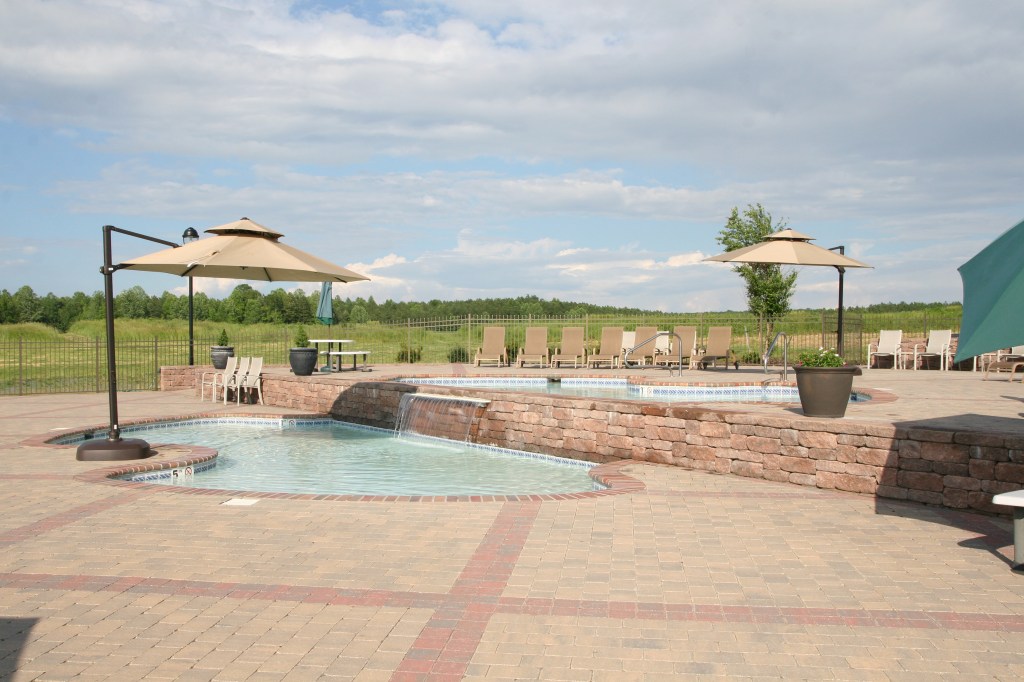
x=955, y=469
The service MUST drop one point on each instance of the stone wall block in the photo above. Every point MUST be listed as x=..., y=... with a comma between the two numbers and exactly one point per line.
x=918, y=480
x=748, y=469
x=818, y=439
x=945, y=452
x=1010, y=472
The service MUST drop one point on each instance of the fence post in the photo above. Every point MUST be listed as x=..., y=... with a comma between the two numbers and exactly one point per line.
x=469, y=337
x=408, y=339
x=98, y=388
x=21, y=365
x=156, y=363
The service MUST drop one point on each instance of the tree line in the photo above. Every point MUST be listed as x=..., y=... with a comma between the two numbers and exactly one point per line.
x=246, y=305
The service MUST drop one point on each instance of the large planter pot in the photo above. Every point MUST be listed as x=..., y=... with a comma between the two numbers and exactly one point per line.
x=219, y=355
x=302, y=360
x=825, y=391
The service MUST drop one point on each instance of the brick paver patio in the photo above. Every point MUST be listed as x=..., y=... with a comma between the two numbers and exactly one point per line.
x=695, y=575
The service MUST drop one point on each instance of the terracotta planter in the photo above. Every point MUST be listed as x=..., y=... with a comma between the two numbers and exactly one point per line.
x=825, y=391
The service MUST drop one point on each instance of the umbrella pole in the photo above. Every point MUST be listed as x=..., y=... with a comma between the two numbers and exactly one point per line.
x=113, y=447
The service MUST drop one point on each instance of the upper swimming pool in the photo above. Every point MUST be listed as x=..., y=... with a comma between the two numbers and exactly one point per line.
x=624, y=389
x=324, y=456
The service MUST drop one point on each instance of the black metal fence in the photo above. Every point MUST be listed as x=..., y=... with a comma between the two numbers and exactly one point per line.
x=76, y=366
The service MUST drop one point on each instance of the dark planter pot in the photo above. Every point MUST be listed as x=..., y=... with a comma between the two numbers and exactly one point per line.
x=825, y=391
x=302, y=360
x=219, y=355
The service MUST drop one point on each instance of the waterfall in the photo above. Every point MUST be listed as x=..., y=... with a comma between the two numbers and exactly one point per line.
x=442, y=416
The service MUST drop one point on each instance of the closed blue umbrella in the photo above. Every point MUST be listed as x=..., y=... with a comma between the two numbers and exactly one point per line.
x=993, y=290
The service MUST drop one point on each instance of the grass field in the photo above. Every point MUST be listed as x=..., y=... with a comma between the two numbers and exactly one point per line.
x=35, y=358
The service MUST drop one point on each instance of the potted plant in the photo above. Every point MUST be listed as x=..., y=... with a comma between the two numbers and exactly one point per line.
x=220, y=353
x=824, y=382
x=301, y=357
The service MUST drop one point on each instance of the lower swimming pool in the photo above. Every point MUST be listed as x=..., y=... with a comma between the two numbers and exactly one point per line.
x=623, y=389
x=324, y=456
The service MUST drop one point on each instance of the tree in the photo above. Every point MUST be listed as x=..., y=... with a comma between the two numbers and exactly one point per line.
x=769, y=289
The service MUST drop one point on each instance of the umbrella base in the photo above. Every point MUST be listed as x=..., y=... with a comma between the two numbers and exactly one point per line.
x=101, y=450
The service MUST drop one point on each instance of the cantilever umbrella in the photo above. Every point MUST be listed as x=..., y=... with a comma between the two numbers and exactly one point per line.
x=243, y=249
x=993, y=290
x=789, y=247
x=240, y=250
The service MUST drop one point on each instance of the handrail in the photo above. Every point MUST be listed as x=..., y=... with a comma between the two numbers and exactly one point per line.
x=679, y=348
x=785, y=354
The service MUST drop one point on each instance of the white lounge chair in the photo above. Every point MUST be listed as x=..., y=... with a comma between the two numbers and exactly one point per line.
x=939, y=345
x=216, y=378
x=889, y=346
x=252, y=380
x=231, y=383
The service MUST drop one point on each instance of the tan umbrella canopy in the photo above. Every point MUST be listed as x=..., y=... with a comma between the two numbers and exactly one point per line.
x=789, y=247
x=243, y=249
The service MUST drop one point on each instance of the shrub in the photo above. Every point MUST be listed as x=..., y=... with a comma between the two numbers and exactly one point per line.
x=751, y=357
x=458, y=354
x=301, y=338
x=407, y=354
x=222, y=340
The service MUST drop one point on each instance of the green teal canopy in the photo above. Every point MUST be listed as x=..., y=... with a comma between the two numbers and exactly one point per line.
x=993, y=296
x=325, y=309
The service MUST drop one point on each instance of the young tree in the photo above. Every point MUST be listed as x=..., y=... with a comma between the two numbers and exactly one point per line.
x=769, y=289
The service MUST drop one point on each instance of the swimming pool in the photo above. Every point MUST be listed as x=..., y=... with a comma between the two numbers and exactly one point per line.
x=324, y=456
x=624, y=389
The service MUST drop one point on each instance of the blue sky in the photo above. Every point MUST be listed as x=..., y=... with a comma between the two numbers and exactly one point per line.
x=589, y=151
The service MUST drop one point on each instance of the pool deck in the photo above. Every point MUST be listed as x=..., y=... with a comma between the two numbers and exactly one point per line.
x=697, y=575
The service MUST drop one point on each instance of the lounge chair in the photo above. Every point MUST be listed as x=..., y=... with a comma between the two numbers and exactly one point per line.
x=642, y=349
x=610, y=351
x=939, y=345
x=1010, y=361
x=889, y=346
x=215, y=378
x=230, y=383
x=535, y=351
x=682, y=337
x=251, y=380
x=571, y=349
x=493, y=349
x=717, y=348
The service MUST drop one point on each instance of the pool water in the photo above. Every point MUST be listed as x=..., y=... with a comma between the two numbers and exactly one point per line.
x=622, y=389
x=329, y=457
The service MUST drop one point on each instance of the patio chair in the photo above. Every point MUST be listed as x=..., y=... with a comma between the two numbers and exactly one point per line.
x=493, y=349
x=571, y=348
x=642, y=348
x=717, y=348
x=889, y=346
x=682, y=337
x=1011, y=361
x=215, y=377
x=535, y=351
x=231, y=382
x=939, y=345
x=610, y=351
x=252, y=380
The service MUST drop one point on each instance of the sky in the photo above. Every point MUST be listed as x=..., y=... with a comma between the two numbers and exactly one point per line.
x=588, y=151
